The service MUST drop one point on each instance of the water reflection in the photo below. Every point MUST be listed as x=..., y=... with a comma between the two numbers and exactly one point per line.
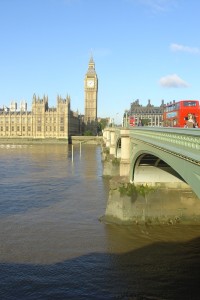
x=52, y=245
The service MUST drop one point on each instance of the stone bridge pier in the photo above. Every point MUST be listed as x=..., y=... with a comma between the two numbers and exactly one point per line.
x=112, y=142
x=151, y=183
x=106, y=138
x=125, y=153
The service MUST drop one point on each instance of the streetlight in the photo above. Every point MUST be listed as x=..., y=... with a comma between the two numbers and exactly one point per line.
x=116, y=116
x=125, y=123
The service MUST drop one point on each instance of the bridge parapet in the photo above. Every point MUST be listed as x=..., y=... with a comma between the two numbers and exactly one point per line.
x=182, y=141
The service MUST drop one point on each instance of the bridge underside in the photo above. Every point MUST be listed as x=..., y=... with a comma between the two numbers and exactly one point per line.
x=150, y=168
x=150, y=164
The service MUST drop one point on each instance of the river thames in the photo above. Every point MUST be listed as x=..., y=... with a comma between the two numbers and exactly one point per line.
x=53, y=246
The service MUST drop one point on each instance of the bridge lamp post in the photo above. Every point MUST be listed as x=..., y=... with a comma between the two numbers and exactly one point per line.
x=125, y=119
x=115, y=118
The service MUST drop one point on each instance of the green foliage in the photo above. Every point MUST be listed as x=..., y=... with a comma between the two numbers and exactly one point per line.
x=88, y=133
x=102, y=124
x=144, y=190
x=116, y=161
x=106, y=150
x=129, y=189
x=146, y=122
x=99, y=128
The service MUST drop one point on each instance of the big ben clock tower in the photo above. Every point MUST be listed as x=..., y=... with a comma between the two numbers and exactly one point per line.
x=91, y=89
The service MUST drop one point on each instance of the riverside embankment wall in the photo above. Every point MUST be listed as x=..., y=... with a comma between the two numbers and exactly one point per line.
x=97, y=140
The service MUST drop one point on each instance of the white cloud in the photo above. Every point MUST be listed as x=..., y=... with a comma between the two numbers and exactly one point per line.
x=172, y=81
x=182, y=48
x=158, y=5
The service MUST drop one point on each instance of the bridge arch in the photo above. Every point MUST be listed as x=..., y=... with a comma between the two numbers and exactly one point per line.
x=151, y=168
x=153, y=165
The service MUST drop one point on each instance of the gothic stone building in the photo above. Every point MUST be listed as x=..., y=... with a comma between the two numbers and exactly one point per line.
x=152, y=115
x=45, y=122
x=41, y=122
x=91, y=92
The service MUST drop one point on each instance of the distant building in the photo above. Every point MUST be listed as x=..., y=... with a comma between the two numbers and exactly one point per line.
x=42, y=121
x=150, y=115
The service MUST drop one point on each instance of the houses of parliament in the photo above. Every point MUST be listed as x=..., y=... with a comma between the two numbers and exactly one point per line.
x=57, y=122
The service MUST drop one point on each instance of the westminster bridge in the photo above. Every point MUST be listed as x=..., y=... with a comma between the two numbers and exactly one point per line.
x=156, y=155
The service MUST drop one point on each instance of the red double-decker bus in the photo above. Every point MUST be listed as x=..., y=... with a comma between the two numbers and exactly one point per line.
x=176, y=114
x=132, y=121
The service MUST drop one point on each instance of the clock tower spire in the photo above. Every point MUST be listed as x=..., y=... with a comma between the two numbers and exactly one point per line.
x=91, y=92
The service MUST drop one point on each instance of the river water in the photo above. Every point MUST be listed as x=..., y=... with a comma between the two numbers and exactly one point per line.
x=53, y=246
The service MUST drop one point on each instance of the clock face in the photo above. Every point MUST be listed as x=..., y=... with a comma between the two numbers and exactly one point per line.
x=90, y=83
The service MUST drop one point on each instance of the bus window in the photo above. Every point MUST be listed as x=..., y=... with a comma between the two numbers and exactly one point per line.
x=189, y=103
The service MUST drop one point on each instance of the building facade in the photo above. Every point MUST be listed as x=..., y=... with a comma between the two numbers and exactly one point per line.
x=149, y=115
x=56, y=122
x=91, y=92
x=41, y=122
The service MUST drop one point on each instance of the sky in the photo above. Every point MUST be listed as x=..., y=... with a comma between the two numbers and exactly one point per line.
x=142, y=49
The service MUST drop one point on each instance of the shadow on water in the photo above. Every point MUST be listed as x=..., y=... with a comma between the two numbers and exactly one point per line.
x=158, y=271
x=49, y=209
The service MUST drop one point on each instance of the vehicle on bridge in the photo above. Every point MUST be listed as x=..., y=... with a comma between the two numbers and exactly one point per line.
x=132, y=121
x=176, y=114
